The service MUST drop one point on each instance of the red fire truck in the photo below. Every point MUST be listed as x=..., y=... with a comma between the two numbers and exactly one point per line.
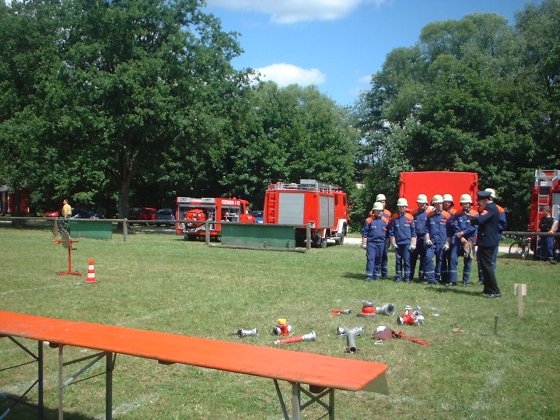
x=192, y=213
x=544, y=193
x=324, y=206
x=437, y=182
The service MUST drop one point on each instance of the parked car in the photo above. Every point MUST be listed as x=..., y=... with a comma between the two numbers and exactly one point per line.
x=165, y=217
x=78, y=213
x=259, y=216
x=53, y=213
x=142, y=213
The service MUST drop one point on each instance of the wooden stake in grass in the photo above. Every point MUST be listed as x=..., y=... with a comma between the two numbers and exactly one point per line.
x=520, y=290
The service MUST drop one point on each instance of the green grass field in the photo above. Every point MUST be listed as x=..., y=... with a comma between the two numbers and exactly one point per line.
x=160, y=282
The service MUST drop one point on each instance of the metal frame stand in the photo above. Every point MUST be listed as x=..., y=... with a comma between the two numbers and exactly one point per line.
x=110, y=359
x=39, y=381
x=69, y=272
x=296, y=400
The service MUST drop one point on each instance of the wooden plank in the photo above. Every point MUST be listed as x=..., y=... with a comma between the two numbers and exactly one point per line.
x=287, y=365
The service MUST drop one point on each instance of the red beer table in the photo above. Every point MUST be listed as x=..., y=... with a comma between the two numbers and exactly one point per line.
x=324, y=373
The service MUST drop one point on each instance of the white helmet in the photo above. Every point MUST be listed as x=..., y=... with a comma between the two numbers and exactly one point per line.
x=380, y=197
x=422, y=199
x=437, y=199
x=402, y=202
x=492, y=192
x=377, y=206
x=448, y=197
x=465, y=198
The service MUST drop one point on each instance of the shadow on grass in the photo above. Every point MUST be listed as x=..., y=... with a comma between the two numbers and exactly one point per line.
x=460, y=290
x=354, y=276
x=27, y=410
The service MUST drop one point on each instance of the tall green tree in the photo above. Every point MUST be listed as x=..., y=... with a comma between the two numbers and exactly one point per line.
x=470, y=96
x=286, y=134
x=128, y=88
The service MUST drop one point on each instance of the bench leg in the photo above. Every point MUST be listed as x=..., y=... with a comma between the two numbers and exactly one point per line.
x=298, y=407
x=296, y=395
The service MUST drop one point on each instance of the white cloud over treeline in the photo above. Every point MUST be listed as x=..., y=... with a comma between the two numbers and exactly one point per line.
x=292, y=11
x=287, y=74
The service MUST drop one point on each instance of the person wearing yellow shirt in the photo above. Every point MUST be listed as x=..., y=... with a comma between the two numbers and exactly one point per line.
x=66, y=209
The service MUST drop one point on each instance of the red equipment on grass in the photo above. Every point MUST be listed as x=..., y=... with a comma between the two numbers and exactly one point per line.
x=192, y=213
x=323, y=206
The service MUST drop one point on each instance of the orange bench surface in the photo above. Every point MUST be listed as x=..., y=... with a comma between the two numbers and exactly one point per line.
x=287, y=365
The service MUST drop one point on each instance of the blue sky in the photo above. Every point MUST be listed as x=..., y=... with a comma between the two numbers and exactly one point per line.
x=336, y=44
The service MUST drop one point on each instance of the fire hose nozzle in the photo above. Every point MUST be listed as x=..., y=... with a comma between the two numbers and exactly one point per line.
x=387, y=309
x=305, y=337
x=344, y=331
x=247, y=333
x=336, y=312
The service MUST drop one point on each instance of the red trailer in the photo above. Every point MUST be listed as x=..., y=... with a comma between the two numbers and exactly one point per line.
x=438, y=182
x=323, y=206
x=196, y=211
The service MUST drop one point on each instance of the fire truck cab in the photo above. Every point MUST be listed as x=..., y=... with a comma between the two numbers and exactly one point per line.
x=323, y=206
x=192, y=214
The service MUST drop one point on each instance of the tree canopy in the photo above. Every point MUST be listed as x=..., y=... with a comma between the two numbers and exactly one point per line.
x=111, y=101
x=474, y=94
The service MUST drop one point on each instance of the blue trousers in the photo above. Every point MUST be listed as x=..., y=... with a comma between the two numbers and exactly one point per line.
x=373, y=263
x=494, y=258
x=487, y=267
x=419, y=254
x=433, y=271
x=402, y=253
x=547, y=247
x=456, y=252
x=385, y=261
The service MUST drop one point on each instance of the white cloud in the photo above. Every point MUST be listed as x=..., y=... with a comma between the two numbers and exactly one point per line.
x=288, y=74
x=292, y=11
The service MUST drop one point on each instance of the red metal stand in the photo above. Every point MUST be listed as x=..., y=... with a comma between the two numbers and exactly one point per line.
x=69, y=247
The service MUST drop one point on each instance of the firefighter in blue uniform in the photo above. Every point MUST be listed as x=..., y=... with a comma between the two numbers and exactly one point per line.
x=380, y=198
x=501, y=227
x=488, y=239
x=436, y=239
x=402, y=234
x=420, y=215
x=462, y=241
x=374, y=234
x=446, y=261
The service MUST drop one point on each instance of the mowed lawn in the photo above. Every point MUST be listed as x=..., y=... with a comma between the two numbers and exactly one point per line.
x=483, y=360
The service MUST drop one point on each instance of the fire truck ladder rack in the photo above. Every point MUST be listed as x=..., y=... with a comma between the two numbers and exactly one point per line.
x=544, y=180
x=305, y=184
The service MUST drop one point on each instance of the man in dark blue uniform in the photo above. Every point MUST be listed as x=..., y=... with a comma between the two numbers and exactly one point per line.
x=488, y=222
x=374, y=236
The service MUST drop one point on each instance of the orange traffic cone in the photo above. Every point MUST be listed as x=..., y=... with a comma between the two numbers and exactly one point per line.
x=90, y=272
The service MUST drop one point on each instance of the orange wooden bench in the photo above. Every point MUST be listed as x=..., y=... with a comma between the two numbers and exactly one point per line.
x=322, y=373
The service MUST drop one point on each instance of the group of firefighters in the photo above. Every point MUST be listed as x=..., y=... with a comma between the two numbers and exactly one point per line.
x=433, y=236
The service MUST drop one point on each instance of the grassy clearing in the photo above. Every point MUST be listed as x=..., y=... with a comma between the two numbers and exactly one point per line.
x=160, y=282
